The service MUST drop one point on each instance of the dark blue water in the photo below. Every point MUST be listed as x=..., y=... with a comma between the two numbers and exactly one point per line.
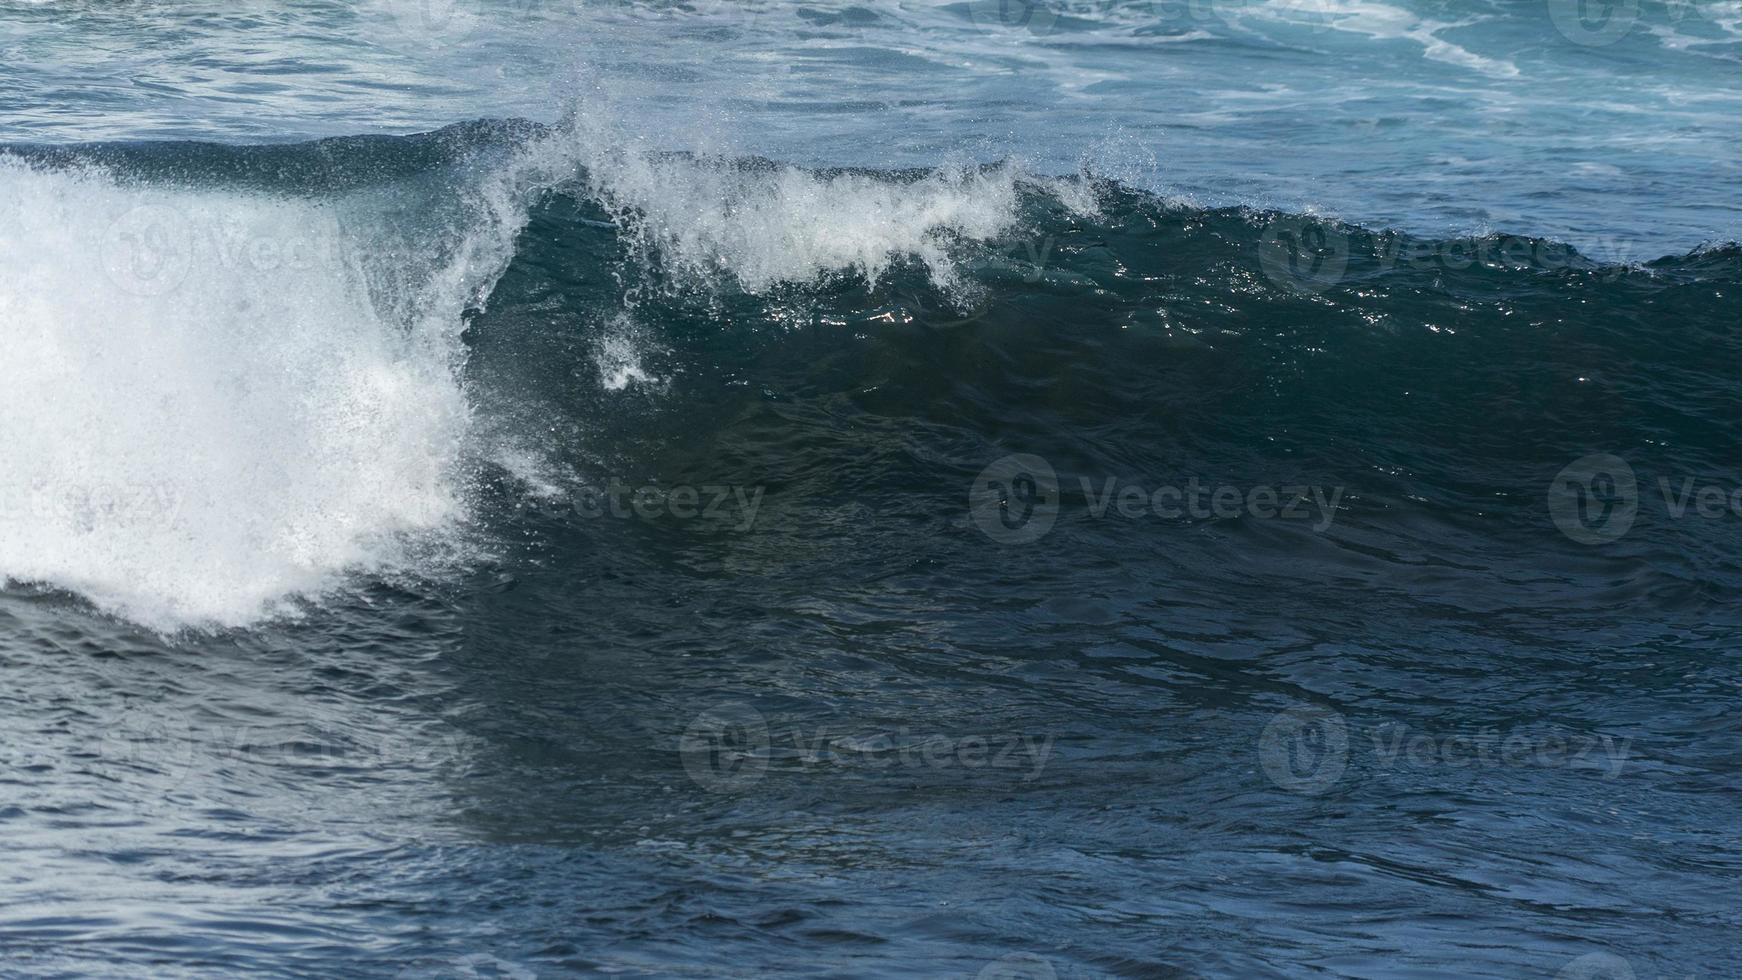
x=554, y=548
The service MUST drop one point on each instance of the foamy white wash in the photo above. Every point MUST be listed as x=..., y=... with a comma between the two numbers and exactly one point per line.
x=618, y=356
x=713, y=218
x=203, y=411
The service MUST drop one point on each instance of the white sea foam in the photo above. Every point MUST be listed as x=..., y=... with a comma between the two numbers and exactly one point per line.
x=713, y=219
x=618, y=356
x=212, y=403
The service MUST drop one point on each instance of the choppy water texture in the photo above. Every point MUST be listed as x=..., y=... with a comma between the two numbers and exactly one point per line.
x=973, y=490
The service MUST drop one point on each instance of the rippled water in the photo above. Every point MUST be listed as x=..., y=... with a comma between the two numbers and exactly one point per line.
x=983, y=490
x=1609, y=132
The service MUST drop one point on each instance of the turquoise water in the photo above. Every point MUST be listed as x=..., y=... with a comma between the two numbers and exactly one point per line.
x=1609, y=127
x=980, y=490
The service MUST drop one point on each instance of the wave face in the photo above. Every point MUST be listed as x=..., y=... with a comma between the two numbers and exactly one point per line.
x=239, y=374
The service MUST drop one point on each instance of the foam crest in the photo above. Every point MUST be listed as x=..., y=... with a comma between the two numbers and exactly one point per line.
x=763, y=225
x=214, y=403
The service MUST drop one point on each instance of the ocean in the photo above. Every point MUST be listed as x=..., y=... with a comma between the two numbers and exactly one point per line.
x=540, y=488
